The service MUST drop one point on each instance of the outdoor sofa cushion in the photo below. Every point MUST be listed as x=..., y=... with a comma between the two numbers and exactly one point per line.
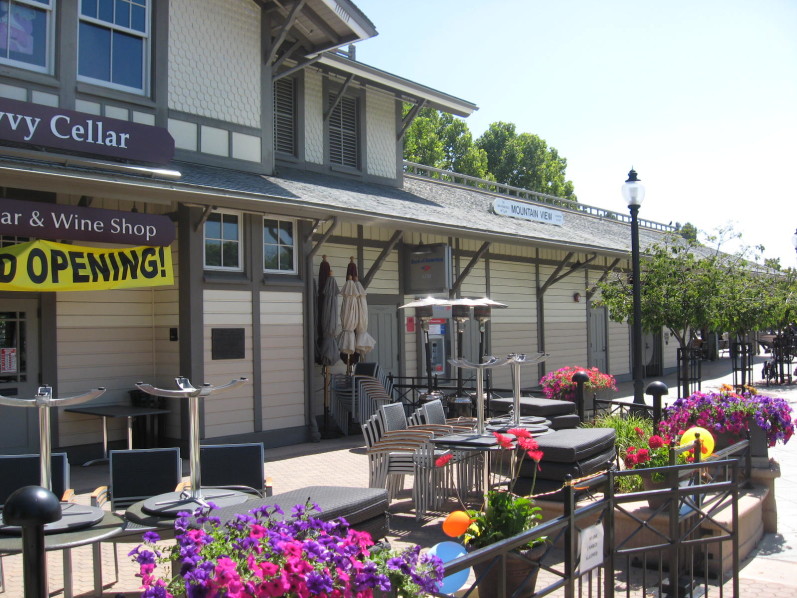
x=555, y=470
x=562, y=422
x=570, y=446
x=534, y=406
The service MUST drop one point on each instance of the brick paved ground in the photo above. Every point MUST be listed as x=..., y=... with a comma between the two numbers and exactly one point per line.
x=770, y=571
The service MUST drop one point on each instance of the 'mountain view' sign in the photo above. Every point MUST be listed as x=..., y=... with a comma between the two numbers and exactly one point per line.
x=526, y=211
x=57, y=128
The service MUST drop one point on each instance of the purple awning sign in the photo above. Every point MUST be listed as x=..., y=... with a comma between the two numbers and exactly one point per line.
x=75, y=223
x=60, y=129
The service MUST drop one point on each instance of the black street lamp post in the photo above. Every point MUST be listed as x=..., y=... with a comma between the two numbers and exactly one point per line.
x=794, y=240
x=634, y=193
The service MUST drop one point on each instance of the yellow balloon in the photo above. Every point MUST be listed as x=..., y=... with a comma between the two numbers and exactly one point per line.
x=706, y=439
x=456, y=524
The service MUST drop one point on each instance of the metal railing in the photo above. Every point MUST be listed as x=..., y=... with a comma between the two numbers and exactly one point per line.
x=689, y=545
x=464, y=180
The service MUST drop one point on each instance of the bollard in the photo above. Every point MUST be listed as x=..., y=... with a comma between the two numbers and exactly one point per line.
x=656, y=389
x=31, y=507
x=580, y=378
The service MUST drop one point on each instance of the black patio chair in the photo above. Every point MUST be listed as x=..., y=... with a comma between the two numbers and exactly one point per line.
x=136, y=475
x=236, y=467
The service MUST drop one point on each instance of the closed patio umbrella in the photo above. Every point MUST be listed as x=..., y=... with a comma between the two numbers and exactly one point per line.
x=354, y=337
x=327, y=353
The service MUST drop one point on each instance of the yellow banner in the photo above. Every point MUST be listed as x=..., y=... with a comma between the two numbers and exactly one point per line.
x=48, y=266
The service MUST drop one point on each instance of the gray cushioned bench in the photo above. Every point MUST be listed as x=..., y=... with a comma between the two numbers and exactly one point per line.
x=365, y=509
x=577, y=452
x=562, y=414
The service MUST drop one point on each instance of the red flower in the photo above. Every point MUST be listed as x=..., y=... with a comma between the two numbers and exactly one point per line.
x=528, y=444
x=443, y=460
x=519, y=432
x=656, y=442
x=640, y=432
x=642, y=456
x=535, y=455
x=503, y=441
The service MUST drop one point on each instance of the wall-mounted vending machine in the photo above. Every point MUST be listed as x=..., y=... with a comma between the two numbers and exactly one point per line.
x=439, y=346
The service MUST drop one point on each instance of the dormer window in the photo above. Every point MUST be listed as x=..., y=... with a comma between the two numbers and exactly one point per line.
x=285, y=116
x=344, y=132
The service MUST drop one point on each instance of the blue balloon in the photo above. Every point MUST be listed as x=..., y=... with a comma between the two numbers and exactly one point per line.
x=448, y=551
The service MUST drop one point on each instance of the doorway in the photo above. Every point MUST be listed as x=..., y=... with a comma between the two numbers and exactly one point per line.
x=383, y=326
x=19, y=372
x=597, y=339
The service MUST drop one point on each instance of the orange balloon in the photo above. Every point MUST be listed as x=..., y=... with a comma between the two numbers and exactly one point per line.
x=456, y=524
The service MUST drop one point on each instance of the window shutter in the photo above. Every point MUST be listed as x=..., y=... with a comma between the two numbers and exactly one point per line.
x=344, y=132
x=285, y=116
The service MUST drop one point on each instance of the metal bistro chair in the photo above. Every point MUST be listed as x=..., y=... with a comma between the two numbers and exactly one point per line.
x=236, y=467
x=135, y=475
x=17, y=471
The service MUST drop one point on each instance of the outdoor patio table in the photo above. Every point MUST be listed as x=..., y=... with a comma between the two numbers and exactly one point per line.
x=108, y=527
x=114, y=411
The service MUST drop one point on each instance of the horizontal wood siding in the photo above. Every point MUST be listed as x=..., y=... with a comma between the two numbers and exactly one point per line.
x=230, y=412
x=513, y=329
x=386, y=280
x=104, y=338
x=565, y=320
x=282, y=359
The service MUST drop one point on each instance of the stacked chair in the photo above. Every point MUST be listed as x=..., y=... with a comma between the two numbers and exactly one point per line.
x=358, y=397
x=399, y=446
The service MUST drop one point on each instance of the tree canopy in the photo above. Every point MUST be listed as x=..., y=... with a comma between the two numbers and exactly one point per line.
x=501, y=154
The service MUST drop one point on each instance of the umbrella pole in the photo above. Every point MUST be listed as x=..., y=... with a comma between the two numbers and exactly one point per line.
x=325, y=370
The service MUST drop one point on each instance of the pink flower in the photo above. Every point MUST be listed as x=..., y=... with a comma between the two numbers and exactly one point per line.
x=528, y=444
x=503, y=441
x=519, y=432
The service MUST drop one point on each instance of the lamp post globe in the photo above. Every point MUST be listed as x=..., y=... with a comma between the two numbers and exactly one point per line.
x=794, y=240
x=634, y=194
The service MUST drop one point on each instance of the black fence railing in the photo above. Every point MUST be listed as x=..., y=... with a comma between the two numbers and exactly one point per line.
x=688, y=545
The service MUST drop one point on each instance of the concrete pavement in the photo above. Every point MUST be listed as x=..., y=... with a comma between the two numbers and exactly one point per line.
x=770, y=571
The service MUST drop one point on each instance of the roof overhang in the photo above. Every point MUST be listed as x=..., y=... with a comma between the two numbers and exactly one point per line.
x=407, y=90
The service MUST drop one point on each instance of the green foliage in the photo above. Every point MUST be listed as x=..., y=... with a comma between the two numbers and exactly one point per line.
x=505, y=515
x=688, y=231
x=625, y=427
x=501, y=154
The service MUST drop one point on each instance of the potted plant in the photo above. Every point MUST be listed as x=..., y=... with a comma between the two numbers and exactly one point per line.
x=504, y=515
x=559, y=383
x=728, y=415
x=651, y=451
x=264, y=554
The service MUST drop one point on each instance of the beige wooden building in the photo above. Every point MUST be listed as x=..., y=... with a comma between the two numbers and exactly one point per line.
x=285, y=149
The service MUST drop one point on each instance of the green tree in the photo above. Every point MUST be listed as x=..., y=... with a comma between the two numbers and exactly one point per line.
x=524, y=160
x=688, y=231
x=444, y=141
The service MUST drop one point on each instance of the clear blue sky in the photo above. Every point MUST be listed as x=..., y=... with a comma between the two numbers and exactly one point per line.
x=700, y=96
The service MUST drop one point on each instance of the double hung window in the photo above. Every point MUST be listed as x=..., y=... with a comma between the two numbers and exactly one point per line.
x=279, y=246
x=223, y=242
x=113, y=43
x=26, y=33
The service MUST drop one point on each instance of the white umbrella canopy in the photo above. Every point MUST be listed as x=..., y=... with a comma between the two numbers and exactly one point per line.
x=364, y=342
x=349, y=316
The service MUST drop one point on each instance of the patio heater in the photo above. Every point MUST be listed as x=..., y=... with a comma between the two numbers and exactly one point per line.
x=424, y=310
x=490, y=363
x=173, y=502
x=516, y=361
x=74, y=516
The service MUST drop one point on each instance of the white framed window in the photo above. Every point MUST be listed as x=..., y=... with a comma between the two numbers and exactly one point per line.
x=114, y=44
x=223, y=247
x=26, y=34
x=344, y=132
x=279, y=245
